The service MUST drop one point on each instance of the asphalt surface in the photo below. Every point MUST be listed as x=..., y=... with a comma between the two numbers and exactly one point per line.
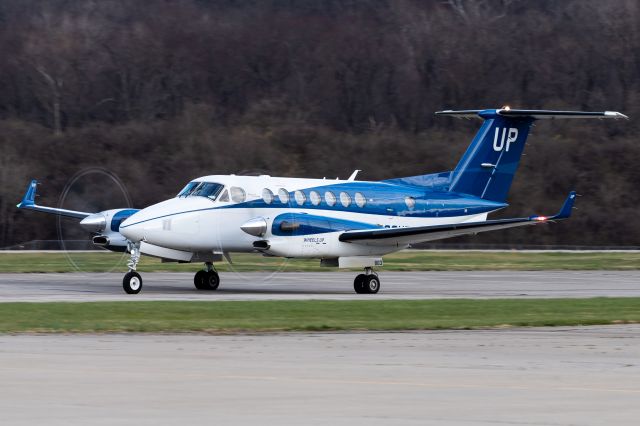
x=557, y=376
x=323, y=285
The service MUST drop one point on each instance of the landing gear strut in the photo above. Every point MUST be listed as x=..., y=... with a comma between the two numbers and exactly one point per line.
x=207, y=279
x=132, y=281
x=367, y=283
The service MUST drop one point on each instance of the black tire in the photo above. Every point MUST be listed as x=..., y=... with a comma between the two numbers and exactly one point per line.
x=204, y=280
x=132, y=282
x=372, y=284
x=199, y=280
x=358, y=284
x=213, y=280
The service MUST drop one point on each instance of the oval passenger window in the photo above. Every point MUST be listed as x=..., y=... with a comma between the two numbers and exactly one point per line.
x=283, y=195
x=360, y=200
x=267, y=196
x=237, y=194
x=345, y=199
x=410, y=202
x=315, y=198
x=300, y=197
x=330, y=198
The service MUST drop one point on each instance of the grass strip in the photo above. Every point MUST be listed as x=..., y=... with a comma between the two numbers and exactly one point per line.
x=410, y=260
x=270, y=316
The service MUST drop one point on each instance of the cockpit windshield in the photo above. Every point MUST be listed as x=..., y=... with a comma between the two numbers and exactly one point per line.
x=201, y=189
x=187, y=189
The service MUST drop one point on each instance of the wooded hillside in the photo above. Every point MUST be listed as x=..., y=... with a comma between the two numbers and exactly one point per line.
x=159, y=92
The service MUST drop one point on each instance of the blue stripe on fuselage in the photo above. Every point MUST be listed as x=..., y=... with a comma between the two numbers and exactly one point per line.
x=386, y=199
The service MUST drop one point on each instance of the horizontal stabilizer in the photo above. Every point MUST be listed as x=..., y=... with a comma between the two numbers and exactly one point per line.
x=405, y=236
x=531, y=113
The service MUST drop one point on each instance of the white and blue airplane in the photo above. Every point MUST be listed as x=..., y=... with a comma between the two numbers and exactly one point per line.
x=344, y=223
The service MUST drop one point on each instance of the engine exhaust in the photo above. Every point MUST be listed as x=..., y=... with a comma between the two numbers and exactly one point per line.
x=100, y=240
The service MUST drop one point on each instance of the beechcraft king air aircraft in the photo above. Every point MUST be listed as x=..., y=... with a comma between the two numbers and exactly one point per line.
x=344, y=223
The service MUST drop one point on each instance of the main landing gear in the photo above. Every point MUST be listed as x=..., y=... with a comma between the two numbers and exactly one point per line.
x=132, y=281
x=367, y=283
x=207, y=279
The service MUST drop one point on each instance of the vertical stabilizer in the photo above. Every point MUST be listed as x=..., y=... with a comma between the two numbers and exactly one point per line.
x=487, y=168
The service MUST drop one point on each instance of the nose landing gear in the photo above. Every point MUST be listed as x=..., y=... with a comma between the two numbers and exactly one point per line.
x=132, y=281
x=207, y=279
x=367, y=283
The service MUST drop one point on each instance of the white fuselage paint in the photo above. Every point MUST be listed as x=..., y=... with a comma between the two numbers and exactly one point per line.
x=199, y=224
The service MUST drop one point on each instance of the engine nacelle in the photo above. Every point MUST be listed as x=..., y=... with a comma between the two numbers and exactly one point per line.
x=310, y=236
x=316, y=246
x=105, y=226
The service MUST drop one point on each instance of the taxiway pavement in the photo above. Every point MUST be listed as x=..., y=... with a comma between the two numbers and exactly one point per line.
x=323, y=285
x=537, y=376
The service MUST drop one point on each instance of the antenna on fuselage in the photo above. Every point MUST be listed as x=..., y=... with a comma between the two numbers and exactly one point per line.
x=353, y=175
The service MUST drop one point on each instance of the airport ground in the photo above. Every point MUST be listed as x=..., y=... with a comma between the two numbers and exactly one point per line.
x=503, y=374
x=329, y=285
x=533, y=376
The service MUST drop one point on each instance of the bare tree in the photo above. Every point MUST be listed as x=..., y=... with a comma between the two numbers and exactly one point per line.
x=161, y=91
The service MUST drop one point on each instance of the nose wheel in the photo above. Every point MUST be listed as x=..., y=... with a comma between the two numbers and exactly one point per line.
x=132, y=281
x=367, y=283
x=207, y=279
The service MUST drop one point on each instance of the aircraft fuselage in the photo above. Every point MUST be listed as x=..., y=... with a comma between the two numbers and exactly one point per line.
x=201, y=224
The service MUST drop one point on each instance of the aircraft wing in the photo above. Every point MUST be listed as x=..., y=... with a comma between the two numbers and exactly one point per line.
x=403, y=236
x=28, y=203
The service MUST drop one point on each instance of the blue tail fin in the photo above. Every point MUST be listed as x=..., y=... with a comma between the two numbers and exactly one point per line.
x=487, y=168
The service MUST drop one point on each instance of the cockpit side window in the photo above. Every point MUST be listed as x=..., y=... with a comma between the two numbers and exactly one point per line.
x=207, y=189
x=187, y=189
x=224, y=197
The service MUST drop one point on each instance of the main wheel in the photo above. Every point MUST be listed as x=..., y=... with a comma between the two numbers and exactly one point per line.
x=372, y=284
x=206, y=280
x=213, y=280
x=358, y=284
x=199, y=280
x=132, y=283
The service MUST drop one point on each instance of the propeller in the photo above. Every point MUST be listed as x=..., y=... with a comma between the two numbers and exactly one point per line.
x=94, y=190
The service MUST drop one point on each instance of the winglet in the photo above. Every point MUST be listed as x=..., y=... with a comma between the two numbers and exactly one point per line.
x=564, y=213
x=29, y=198
x=29, y=203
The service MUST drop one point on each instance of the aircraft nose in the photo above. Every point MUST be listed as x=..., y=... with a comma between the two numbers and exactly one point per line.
x=132, y=229
x=170, y=223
